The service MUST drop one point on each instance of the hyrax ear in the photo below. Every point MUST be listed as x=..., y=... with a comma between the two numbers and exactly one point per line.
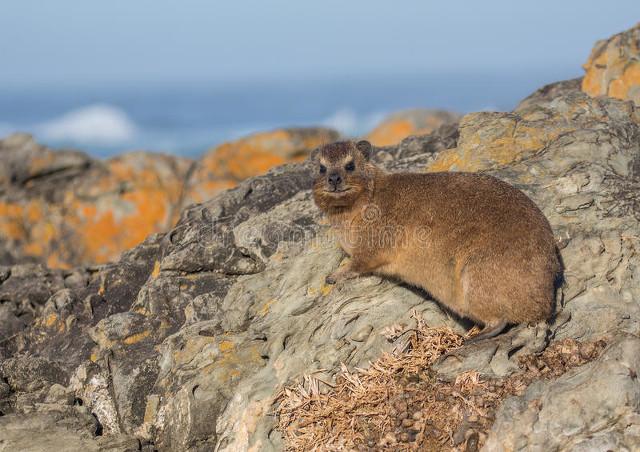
x=365, y=148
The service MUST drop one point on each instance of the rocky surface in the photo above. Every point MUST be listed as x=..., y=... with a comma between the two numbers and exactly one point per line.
x=185, y=342
x=398, y=126
x=613, y=68
x=62, y=208
x=225, y=165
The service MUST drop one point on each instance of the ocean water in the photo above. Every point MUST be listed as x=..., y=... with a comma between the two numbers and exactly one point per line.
x=188, y=118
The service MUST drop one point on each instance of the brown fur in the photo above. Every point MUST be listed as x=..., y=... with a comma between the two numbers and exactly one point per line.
x=478, y=245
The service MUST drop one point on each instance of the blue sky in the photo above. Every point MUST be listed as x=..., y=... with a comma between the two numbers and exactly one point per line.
x=71, y=41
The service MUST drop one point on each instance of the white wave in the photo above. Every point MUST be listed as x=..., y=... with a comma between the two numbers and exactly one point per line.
x=94, y=124
x=344, y=121
x=347, y=122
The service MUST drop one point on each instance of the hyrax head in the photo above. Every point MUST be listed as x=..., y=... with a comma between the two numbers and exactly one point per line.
x=342, y=172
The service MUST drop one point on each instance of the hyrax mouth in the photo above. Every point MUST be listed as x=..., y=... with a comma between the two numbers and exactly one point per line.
x=336, y=191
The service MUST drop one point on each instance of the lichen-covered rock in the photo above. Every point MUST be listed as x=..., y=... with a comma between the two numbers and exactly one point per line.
x=613, y=68
x=229, y=163
x=495, y=139
x=400, y=125
x=186, y=341
x=546, y=94
x=24, y=290
x=64, y=209
x=24, y=162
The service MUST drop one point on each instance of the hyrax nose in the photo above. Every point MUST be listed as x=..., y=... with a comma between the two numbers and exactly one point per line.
x=334, y=179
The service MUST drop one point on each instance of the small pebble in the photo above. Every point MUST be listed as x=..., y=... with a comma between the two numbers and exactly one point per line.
x=390, y=438
x=401, y=406
x=472, y=443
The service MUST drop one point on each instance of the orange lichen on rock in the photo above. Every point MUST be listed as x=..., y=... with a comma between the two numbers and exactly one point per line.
x=230, y=163
x=489, y=140
x=613, y=68
x=30, y=224
x=108, y=232
x=398, y=126
x=94, y=213
x=96, y=210
x=12, y=221
x=122, y=203
x=136, y=337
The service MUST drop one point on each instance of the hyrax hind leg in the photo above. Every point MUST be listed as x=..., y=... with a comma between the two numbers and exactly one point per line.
x=490, y=330
x=480, y=297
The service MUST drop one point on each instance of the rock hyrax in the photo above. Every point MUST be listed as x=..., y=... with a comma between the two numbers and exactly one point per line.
x=478, y=245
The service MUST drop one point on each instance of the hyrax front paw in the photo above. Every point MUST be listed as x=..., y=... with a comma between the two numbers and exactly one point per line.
x=340, y=275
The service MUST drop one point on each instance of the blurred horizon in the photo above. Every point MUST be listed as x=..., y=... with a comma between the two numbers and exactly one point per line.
x=112, y=77
x=188, y=119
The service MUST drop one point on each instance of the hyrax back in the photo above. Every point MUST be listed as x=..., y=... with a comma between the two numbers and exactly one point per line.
x=478, y=245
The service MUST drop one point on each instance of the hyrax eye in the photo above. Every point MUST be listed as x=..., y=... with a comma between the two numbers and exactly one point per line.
x=323, y=169
x=350, y=166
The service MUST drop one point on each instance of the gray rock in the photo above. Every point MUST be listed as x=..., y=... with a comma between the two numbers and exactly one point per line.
x=185, y=342
x=594, y=407
x=549, y=92
x=65, y=431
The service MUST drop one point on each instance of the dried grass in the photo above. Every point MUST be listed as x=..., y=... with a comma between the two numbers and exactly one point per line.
x=398, y=404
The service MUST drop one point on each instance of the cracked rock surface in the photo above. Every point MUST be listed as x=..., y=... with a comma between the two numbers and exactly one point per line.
x=184, y=343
